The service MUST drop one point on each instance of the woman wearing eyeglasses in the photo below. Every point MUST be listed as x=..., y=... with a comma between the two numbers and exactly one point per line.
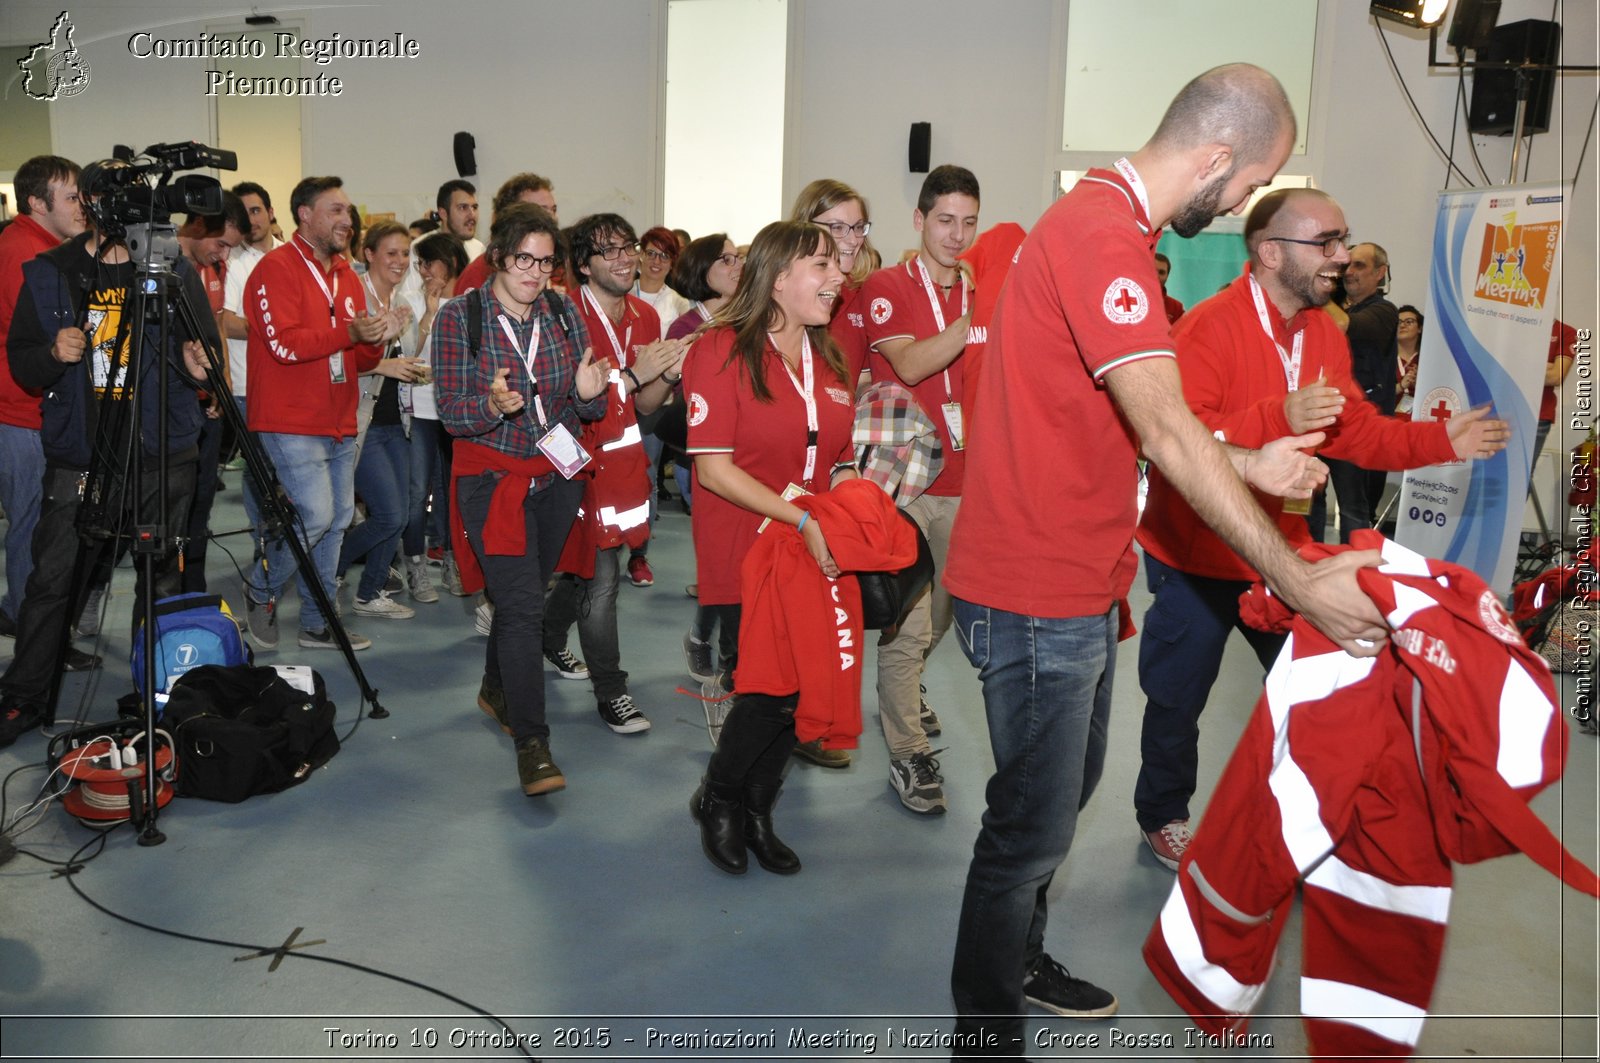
x=841, y=210
x=514, y=374
x=770, y=417
x=658, y=250
x=1408, y=345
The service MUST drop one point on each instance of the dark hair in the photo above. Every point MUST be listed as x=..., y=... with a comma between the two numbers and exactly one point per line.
x=250, y=188
x=589, y=235
x=203, y=225
x=1239, y=105
x=1408, y=308
x=944, y=180
x=34, y=176
x=515, y=185
x=450, y=188
x=751, y=313
x=443, y=247
x=1163, y=258
x=662, y=239
x=306, y=192
x=514, y=225
x=355, y=228
x=423, y=226
x=1260, y=218
x=379, y=231
x=689, y=274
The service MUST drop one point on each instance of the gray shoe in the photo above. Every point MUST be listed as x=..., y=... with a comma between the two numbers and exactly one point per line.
x=418, y=581
x=452, y=577
x=88, y=623
x=698, y=656
x=917, y=780
x=323, y=640
x=261, y=621
x=381, y=604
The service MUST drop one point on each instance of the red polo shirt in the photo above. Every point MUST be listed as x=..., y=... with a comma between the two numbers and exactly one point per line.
x=22, y=240
x=1046, y=527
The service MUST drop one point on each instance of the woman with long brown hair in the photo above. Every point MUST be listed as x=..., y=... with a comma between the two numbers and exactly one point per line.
x=770, y=416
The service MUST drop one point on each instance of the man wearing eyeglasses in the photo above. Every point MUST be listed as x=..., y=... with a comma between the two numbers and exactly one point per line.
x=918, y=314
x=625, y=333
x=1259, y=361
x=1371, y=323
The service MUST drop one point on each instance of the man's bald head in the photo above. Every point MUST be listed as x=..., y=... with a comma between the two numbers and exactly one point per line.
x=1277, y=212
x=1239, y=105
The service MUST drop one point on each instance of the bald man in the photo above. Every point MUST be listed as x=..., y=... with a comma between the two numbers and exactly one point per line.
x=1079, y=376
x=1259, y=361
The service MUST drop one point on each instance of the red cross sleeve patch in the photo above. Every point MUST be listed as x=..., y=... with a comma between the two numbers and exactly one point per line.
x=1125, y=302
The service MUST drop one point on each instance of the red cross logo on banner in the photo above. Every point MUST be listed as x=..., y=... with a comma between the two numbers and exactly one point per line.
x=1125, y=302
x=1440, y=404
x=1440, y=411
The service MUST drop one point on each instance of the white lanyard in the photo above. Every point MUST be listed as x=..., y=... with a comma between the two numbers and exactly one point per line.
x=1291, y=363
x=316, y=275
x=938, y=311
x=527, y=360
x=1130, y=175
x=807, y=397
x=611, y=333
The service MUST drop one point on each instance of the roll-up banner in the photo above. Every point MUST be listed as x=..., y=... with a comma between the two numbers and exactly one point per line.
x=1492, y=285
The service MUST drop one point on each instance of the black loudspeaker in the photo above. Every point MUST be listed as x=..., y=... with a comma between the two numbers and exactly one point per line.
x=1473, y=23
x=1494, y=92
x=918, y=146
x=466, y=155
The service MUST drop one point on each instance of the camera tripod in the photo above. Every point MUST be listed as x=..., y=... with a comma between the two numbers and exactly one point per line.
x=157, y=298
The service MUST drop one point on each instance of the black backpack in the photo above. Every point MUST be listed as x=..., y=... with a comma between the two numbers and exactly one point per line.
x=244, y=730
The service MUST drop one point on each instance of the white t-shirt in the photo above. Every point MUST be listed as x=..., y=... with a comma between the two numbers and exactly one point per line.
x=241, y=261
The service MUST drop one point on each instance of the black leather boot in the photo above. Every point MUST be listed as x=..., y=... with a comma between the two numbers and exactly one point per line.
x=769, y=851
x=719, y=810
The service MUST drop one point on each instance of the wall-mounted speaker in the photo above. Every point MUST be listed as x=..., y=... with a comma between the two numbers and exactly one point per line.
x=917, y=148
x=1494, y=91
x=466, y=155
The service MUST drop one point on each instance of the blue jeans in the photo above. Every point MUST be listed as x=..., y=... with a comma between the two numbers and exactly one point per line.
x=21, y=493
x=427, y=450
x=318, y=474
x=1047, y=695
x=383, y=476
x=1185, y=632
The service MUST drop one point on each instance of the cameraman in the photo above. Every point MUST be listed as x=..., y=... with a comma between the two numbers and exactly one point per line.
x=71, y=338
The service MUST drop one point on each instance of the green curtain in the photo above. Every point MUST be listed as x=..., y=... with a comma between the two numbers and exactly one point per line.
x=1201, y=264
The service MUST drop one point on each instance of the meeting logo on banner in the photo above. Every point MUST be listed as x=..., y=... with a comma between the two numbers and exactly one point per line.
x=1516, y=261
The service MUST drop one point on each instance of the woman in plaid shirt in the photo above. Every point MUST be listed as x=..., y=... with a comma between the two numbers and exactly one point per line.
x=514, y=375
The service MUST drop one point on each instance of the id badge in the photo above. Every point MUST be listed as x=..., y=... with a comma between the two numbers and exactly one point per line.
x=954, y=425
x=790, y=493
x=1300, y=507
x=336, y=367
x=564, y=451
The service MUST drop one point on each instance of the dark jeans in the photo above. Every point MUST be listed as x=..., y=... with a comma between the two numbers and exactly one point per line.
x=724, y=620
x=207, y=479
x=516, y=585
x=592, y=605
x=429, y=455
x=1180, y=654
x=1359, y=492
x=1047, y=696
x=383, y=477
x=757, y=738
x=59, y=580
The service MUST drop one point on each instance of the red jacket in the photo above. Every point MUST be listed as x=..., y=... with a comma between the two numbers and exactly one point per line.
x=1233, y=380
x=800, y=630
x=22, y=239
x=293, y=334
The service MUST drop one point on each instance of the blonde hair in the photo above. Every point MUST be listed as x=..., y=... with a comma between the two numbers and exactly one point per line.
x=821, y=196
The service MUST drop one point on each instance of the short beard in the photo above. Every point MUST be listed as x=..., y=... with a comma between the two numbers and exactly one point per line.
x=608, y=284
x=1193, y=217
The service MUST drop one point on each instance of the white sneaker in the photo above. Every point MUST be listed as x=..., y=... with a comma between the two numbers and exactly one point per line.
x=452, y=577
x=483, y=617
x=383, y=605
x=418, y=581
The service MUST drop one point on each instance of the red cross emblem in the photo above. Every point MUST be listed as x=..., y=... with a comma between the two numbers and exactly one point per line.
x=1125, y=302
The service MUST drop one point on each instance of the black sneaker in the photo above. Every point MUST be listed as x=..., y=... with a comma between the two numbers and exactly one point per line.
x=623, y=716
x=566, y=665
x=1052, y=987
x=697, y=655
x=536, y=768
x=17, y=720
x=79, y=661
x=8, y=627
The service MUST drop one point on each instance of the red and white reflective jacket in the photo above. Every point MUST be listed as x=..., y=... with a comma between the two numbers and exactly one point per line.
x=1362, y=780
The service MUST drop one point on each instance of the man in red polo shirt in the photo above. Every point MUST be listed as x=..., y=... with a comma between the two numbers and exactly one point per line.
x=1174, y=308
x=48, y=213
x=917, y=317
x=1078, y=377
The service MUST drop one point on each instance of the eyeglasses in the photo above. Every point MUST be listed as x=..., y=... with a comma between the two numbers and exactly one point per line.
x=1330, y=246
x=730, y=259
x=610, y=252
x=840, y=230
x=655, y=255
x=525, y=262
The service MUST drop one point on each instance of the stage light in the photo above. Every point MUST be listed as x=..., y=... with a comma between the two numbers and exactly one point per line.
x=1411, y=12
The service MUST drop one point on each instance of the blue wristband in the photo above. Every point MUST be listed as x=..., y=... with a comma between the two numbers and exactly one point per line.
x=803, y=518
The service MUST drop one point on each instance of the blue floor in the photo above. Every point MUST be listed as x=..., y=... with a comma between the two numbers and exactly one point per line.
x=590, y=922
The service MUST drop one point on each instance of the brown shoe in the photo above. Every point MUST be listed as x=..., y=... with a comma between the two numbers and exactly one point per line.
x=826, y=758
x=537, y=769
x=492, y=700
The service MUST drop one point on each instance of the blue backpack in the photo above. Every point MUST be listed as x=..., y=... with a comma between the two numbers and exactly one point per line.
x=191, y=630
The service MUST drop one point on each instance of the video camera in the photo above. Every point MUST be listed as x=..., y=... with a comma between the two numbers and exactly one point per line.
x=119, y=192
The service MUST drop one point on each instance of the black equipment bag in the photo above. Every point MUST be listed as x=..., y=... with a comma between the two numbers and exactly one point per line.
x=245, y=730
x=886, y=597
